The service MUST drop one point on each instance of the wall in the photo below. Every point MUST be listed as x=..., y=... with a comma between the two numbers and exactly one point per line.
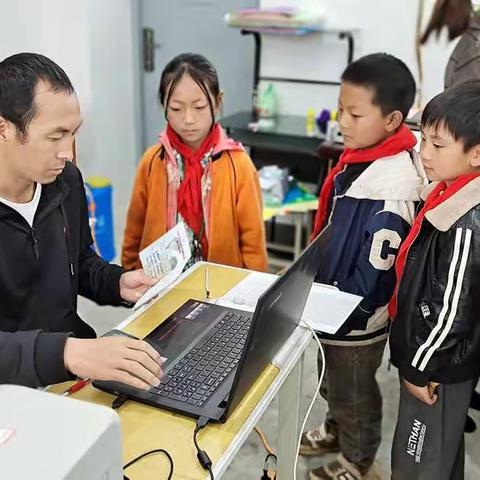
x=92, y=41
x=381, y=25
x=112, y=145
x=197, y=26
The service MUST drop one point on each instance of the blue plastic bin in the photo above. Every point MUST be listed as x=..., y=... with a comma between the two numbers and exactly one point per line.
x=102, y=213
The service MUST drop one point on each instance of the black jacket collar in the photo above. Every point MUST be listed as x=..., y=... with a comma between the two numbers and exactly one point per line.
x=53, y=194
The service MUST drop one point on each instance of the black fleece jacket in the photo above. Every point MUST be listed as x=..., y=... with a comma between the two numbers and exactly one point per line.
x=42, y=270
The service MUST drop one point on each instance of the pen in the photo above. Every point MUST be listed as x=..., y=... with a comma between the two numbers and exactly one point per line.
x=76, y=387
x=207, y=289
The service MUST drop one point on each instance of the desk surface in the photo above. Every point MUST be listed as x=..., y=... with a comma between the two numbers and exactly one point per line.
x=288, y=134
x=287, y=208
x=146, y=428
x=285, y=125
x=292, y=126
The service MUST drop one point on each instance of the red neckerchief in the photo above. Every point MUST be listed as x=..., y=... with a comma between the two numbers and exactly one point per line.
x=440, y=194
x=189, y=196
x=402, y=140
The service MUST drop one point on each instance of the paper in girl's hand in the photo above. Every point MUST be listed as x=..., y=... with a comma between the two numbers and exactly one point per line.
x=165, y=259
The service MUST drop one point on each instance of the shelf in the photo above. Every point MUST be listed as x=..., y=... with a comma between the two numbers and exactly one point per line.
x=257, y=35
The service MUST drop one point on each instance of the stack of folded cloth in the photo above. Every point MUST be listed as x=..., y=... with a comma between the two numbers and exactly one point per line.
x=281, y=19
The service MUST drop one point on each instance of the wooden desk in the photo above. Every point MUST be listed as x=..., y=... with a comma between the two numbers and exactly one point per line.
x=301, y=213
x=146, y=428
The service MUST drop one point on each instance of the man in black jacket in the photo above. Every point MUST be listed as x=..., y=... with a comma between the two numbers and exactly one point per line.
x=46, y=255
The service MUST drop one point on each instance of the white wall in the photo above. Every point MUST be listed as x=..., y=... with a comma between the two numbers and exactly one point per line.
x=111, y=145
x=382, y=25
x=92, y=41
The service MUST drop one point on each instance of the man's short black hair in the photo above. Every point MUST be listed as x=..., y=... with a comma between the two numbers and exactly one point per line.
x=391, y=80
x=458, y=111
x=19, y=76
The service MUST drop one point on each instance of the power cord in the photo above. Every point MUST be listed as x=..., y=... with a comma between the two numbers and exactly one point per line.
x=158, y=450
x=315, y=395
x=202, y=455
x=264, y=440
x=267, y=472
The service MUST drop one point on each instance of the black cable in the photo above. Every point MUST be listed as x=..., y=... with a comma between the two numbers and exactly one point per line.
x=158, y=450
x=119, y=401
x=266, y=475
x=202, y=455
x=269, y=456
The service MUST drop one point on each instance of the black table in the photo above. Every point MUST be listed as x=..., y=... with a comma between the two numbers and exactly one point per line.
x=286, y=144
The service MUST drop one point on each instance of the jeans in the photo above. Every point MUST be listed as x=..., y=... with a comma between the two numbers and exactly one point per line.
x=354, y=399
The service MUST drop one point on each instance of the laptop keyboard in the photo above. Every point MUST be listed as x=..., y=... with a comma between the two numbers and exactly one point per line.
x=196, y=377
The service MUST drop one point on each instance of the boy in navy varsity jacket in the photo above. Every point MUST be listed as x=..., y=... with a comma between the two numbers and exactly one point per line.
x=368, y=201
x=435, y=335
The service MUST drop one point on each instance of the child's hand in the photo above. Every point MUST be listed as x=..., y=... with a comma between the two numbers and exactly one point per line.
x=432, y=388
x=426, y=394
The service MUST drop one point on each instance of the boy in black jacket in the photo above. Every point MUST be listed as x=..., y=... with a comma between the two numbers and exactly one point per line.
x=435, y=334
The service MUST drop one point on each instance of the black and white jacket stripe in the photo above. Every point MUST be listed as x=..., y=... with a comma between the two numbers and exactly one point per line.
x=436, y=333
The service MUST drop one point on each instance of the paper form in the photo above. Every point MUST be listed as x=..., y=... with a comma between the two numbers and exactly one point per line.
x=165, y=259
x=326, y=310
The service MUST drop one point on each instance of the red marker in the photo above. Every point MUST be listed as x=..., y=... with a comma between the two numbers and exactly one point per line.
x=76, y=387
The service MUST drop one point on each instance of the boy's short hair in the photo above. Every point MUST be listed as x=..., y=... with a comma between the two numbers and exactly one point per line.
x=391, y=80
x=458, y=111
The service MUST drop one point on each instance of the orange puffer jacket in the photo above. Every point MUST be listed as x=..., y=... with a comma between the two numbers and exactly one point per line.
x=235, y=233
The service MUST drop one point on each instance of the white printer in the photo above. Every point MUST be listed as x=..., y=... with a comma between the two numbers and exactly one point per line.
x=48, y=436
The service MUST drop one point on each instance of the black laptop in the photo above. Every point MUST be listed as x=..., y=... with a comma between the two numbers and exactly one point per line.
x=216, y=353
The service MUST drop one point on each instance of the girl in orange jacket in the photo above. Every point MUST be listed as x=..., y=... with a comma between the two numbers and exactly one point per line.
x=197, y=175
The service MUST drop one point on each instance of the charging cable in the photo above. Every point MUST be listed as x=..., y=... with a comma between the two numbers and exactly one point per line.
x=202, y=455
x=317, y=390
x=158, y=450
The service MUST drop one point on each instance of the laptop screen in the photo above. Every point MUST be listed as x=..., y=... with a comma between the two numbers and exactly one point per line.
x=277, y=315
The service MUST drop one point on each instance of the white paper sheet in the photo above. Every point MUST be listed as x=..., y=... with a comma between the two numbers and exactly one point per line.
x=165, y=259
x=245, y=294
x=326, y=310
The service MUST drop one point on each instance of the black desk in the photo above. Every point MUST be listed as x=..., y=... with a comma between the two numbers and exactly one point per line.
x=286, y=145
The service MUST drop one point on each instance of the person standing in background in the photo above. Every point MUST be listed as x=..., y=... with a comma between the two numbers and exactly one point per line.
x=460, y=19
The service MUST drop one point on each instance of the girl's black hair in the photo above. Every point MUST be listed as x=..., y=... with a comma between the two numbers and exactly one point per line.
x=198, y=68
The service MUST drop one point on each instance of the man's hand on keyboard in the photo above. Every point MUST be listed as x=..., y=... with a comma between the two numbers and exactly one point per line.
x=119, y=359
